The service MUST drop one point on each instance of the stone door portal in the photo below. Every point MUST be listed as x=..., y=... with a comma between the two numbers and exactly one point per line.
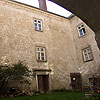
x=43, y=83
x=76, y=81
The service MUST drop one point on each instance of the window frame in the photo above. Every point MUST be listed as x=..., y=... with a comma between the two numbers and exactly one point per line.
x=37, y=22
x=87, y=53
x=41, y=52
x=84, y=33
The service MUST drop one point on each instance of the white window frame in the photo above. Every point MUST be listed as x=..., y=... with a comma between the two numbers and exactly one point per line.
x=87, y=54
x=81, y=28
x=41, y=53
x=38, y=23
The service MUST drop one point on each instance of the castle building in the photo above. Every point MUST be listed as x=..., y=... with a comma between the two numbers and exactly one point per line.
x=61, y=51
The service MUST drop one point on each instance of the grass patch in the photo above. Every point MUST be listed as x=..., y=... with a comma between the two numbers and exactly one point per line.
x=52, y=96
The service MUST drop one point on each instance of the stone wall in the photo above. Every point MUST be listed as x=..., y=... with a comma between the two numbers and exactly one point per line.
x=86, y=68
x=18, y=41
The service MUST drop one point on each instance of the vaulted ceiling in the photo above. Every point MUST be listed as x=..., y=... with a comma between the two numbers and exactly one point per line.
x=87, y=10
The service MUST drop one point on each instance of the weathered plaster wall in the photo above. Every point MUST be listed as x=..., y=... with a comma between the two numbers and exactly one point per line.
x=88, y=68
x=63, y=56
x=18, y=40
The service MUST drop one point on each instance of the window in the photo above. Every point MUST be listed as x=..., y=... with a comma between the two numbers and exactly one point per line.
x=40, y=54
x=87, y=54
x=81, y=30
x=38, y=25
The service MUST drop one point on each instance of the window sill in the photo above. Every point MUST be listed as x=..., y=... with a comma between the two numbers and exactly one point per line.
x=41, y=60
x=88, y=60
x=82, y=35
x=39, y=30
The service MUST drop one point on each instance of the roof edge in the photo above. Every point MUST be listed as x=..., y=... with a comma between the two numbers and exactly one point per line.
x=43, y=10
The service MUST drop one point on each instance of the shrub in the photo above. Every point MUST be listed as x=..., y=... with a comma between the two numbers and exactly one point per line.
x=17, y=72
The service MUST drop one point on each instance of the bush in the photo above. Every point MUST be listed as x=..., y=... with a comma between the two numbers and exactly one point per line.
x=17, y=72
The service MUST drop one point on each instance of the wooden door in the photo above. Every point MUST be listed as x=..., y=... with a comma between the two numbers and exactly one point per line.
x=40, y=83
x=46, y=83
x=43, y=83
x=76, y=81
